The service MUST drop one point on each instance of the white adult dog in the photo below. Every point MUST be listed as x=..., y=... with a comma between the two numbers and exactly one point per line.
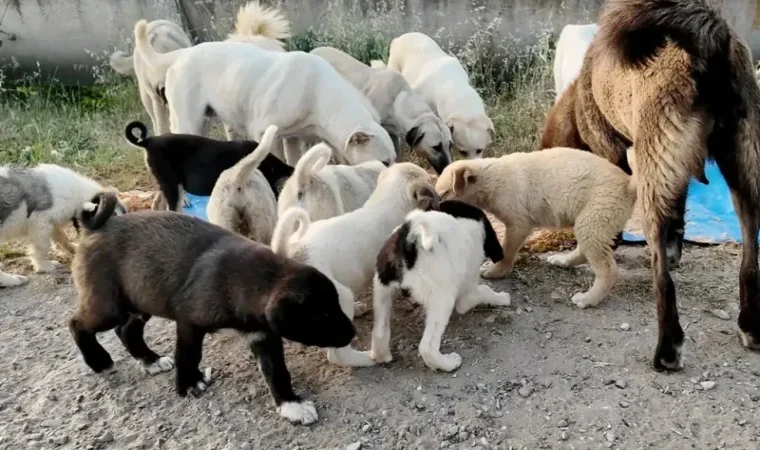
x=345, y=247
x=249, y=88
x=402, y=111
x=328, y=190
x=442, y=81
x=35, y=204
x=435, y=256
x=572, y=45
x=242, y=200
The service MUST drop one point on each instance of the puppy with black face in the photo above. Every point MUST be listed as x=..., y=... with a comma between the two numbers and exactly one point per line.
x=132, y=267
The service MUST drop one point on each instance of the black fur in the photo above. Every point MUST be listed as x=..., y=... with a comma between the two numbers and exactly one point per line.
x=413, y=137
x=462, y=210
x=195, y=162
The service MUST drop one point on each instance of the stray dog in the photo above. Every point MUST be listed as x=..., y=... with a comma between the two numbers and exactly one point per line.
x=442, y=81
x=181, y=268
x=345, y=247
x=554, y=188
x=243, y=201
x=35, y=204
x=188, y=163
x=328, y=190
x=435, y=258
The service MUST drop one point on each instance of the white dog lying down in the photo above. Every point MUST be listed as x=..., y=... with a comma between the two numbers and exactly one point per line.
x=553, y=188
x=35, y=204
x=242, y=200
x=442, y=81
x=402, y=111
x=326, y=191
x=249, y=88
x=345, y=247
x=435, y=258
x=572, y=45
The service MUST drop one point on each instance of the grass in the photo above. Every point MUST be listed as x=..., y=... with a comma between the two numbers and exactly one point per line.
x=82, y=127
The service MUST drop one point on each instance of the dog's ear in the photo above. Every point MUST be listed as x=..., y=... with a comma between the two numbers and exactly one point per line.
x=427, y=237
x=463, y=177
x=491, y=246
x=413, y=137
x=359, y=138
x=426, y=198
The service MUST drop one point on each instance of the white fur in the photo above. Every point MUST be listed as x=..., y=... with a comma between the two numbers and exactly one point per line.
x=444, y=277
x=262, y=26
x=326, y=191
x=242, y=200
x=572, y=45
x=302, y=412
x=162, y=364
x=442, y=81
x=345, y=247
x=69, y=191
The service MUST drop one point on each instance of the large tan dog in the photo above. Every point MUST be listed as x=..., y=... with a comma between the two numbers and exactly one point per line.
x=555, y=188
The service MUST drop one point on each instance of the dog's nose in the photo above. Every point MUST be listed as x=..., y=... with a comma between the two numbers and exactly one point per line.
x=387, y=163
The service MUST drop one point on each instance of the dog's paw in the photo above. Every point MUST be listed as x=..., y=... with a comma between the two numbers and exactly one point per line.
x=558, y=259
x=349, y=357
x=447, y=362
x=381, y=357
x=8, y=280
x=202, y=384
x=494, y=272
x=302, y=412
x=48, y=267
x=162, y=364
x=502, y=299
x=583, y=300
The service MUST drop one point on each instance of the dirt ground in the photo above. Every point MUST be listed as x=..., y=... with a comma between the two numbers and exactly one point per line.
x=538, y=374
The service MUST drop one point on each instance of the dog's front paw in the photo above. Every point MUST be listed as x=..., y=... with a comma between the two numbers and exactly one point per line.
x=7, y=280
x=558, y=259
x=583, y=300
x=162, y=364
x=302, y=412
x=48, y=266
x=447, y=362
x=494, y=272
x=197, y=386
x=349, y=357
x=502, y=299
x=381, y=357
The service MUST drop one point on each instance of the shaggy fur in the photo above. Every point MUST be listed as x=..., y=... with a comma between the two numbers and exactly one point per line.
x=205, y=279
x=672, y=78
x=402, y=111
x=36, y=204
x=249, y=88
x=442, y=81
x=572, y=45
x=262, y=26
x=435, y=258
x=556, y=188
x=243, y=200
x=326, y=191
x=188, y=163
x=345, y=247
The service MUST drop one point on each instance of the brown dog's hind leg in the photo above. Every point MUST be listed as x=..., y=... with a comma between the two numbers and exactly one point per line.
x=188, y=354
x=749, y=286
x=131, y=335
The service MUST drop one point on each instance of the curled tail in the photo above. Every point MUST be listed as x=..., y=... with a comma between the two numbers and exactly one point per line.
x=286, y=228
x=142, y=133
x=254, y=19
x=159, y=62
x=310, y=163
x=98, y=210
x=251, y=162
x=377, y=64
x=122, y=63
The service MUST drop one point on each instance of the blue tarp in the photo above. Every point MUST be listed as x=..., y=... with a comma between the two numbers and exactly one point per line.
x=197, y=206
x=710, y=216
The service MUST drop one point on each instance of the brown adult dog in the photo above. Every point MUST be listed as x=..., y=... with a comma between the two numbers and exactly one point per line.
x=671, y=78
x=204, y=278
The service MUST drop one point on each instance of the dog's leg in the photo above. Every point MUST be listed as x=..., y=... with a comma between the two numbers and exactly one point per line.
x=570, y=259
x=437, y=313
x=183, y=201
x=187, y=356
x=292, y=150
x=147, y=101
x=514, y=238
x=347, y=356
x=161, y=112
x=749, y=287
x=84, y=326
x=40, y=247
x=597, y=250
x=481, y=294
x=382, y=305
x=131, y=335
x=60, y=238
x=231, y=134
x=676, y=229
x=8, y=280
x=271, y=358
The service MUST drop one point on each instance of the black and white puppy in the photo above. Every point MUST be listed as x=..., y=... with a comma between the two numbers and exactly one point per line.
x=434, y=257
x=205, y=279
x=189, y=163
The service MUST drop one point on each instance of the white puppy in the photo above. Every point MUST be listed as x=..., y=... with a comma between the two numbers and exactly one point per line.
x=242, y=200
x=402, y=111
x=435, y=258
x=35, y=204
x=572, y=45
x=442, y=81
x=345, y=247
x=249, y=88
x=328, y=190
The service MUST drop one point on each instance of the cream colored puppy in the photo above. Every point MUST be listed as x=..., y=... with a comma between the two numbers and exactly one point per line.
x=554, y=188
x=326, y=191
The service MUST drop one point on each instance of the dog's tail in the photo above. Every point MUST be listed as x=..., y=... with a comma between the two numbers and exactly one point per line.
x=377, y=64
x=159, y=62
x=139, y=138
x=254, y=19
x=122, y=63
x=98, y=210
x=286, y=228
x=251, y=162
x=310, y=163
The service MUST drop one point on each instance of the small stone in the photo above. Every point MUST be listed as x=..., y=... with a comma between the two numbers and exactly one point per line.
x=556, y=294
x=562, y=423
x=34, y=437
x=548, y=335
x=419, y=388
x=621, y=384
x=464, y=436
x=564, y=436
x=444, y=444
x=742, y=423
x=60, y=440
x=693, y=380
x=366, y=428
x=55, y=423
x=528, y=309
x=355, y=446
x=52, y=397
x=624, y=404
x=105, y=438
x=625, y=326
x=610, y=436
x=246, y=446
x=80, y=398
x=525, y=391
x=707, y=385
x=588, y=339
x=720, y=314
x=451, y=432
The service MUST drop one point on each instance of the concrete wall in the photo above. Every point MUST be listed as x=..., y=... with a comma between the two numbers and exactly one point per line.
x=67, y=37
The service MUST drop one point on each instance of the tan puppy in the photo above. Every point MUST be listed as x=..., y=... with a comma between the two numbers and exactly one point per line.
x=554, y=188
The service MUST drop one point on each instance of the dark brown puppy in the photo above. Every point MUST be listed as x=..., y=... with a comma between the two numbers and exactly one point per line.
x=132, y=267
